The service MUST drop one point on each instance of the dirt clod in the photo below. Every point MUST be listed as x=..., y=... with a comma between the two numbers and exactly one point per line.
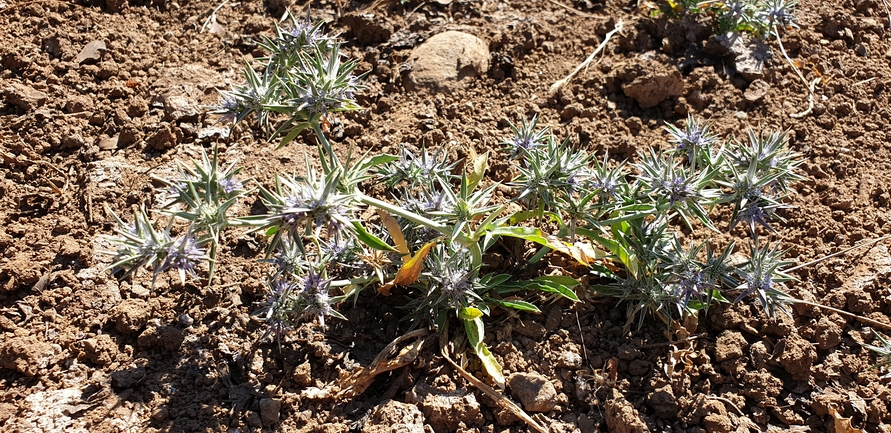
x=445, y=411
x=395, y=417
x=27, y=354
x=798, y=357
x=730, y=345
x=130, y=315
x=622, y=417
x=25, y=97
x=535, y=392
x=270, y=410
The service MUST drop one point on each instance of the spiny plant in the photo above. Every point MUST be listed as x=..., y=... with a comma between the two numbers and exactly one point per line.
x=200, y=198
x=435, y=222
x=630, y=214
x=759, y=17
x=883, y=351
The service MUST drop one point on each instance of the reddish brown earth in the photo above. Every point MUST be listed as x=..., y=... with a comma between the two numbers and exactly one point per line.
x=81, y=351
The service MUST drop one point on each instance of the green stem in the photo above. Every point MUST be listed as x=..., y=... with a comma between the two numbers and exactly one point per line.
x=470, y=244
x=352, y=281
x=332, y=159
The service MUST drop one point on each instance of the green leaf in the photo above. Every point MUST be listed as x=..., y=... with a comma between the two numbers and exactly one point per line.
x=378, y=160
x=516, y=305
x=369, y=239
x=478, y=170
x=493, y=280
x=474, y=329
x=552, y=284
x=558, y=280
x=560, y=289
x=291, y=135
x=469, y=313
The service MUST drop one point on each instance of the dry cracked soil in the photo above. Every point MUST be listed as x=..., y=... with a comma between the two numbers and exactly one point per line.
x=99, y=97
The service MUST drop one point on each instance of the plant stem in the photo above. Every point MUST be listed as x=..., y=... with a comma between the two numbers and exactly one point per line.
x=324, y=142
x=351, y=281
x=470, y=244
x=814, y=262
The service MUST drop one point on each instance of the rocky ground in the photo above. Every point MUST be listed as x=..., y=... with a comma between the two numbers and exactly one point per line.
x=99, y=97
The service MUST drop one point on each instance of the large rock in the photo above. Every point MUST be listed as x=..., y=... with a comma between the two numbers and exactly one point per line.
x=447, y=60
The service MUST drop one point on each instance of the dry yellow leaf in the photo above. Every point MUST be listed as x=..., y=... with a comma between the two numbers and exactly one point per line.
x=842, y=425
x=582, y=252
x=395, y=233
x=410, y=270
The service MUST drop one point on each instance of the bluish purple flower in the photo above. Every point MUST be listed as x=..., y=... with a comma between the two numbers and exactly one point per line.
x=678, y=190
x=183, y=256
x=231, y=185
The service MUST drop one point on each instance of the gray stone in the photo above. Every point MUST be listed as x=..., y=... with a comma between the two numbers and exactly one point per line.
x=108, y=143
x=270, y=410
x=447, y=60
x=180, y=108
x=91, y=53
x=749, y=55
x=535, y=392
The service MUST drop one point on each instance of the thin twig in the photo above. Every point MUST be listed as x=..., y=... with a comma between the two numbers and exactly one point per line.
x=715, y=397
x=859, y=318
x=810, y=101
x=863, y=82
x=814, y=262
x=809, y=87
x=495, y=395
x=575, y=11
x=560, y=83
x=213, y=16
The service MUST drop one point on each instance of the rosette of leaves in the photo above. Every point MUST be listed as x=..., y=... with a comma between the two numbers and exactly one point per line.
x=303, y=80
x=141, y=245
x=203, y=195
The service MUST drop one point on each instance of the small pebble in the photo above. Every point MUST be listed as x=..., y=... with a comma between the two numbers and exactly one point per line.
x=186, y=320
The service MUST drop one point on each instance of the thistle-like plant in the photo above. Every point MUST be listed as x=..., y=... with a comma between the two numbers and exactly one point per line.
x=525, y=138
x=141, y=245
x=549, y=171
x=757, y=175
x=883, y=351
x=695, y=141
x=304, y=207
x=303, y=80
x=203, y=195
x=675, y=187
x=423, y=170
x=763, y=278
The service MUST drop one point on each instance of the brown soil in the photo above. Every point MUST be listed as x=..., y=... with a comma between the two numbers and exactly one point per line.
x=81, y=351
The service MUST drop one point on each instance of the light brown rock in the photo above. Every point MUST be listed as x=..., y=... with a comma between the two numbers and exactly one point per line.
x=447, y=60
